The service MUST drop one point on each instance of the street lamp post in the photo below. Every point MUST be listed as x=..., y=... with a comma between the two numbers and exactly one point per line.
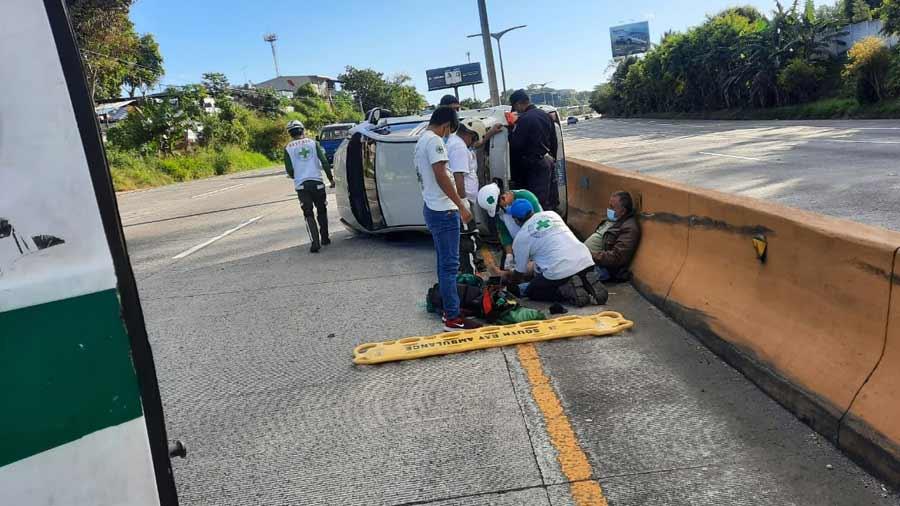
x=469, y=59
x=497, y=36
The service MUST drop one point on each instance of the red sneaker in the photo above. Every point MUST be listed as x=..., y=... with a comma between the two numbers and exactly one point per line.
x=459, y=323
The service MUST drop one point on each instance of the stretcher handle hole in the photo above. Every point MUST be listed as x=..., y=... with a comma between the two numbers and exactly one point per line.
x=529, y=324
x=490, y=329
x=365, y=347
x=408, y=340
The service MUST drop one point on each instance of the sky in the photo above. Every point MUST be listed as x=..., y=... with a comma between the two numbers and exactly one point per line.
x=566, y=43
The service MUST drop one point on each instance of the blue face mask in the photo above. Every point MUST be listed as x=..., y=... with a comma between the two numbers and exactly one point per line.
x=610, y=215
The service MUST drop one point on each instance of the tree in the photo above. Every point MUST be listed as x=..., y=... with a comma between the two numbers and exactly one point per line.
x=158, y=125
x=405, y=99
x=890, y=15
x=216, y=84
x=859, y=11
x=368, y=86
x=265, y=101
x=108, y=43
x=345, y=108
x=225, y=128
x=869, y=63
x=312, y=109
x=148, y=67
x=800, y=81
x=470, y=103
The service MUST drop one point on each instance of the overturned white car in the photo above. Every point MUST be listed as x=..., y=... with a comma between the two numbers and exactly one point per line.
x=377, y=187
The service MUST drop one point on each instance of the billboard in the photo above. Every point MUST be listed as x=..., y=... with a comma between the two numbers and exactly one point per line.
x=630, y=39
x=454, y=77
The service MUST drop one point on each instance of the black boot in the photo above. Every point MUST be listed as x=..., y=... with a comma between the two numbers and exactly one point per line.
x=323, y=228
x=313, y=230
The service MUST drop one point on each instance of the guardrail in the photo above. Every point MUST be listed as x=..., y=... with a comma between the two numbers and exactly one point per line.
x=806, y=306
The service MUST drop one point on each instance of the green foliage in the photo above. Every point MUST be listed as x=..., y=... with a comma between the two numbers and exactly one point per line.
x=113, y=54
x=131, y=170
x=889, y=13
x=868, y=65
x=470, y=103
x=800, y=81
x=345, y=109
x=216, y=84
x=266, y=101
x=738, y=59
x=148, y=68
x=368, y=86
x=267, y=135
x=893, y=78
x=226, y=127
x=373, y=90
x=312, y=109
x=602, y=100
x=160, y=125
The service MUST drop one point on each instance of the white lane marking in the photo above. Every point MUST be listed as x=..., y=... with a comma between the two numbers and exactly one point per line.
x=213, y=192
x=732, y=156
x=855, y=142
x=216, y=238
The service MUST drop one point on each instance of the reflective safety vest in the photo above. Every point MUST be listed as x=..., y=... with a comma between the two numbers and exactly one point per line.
x=304, y=160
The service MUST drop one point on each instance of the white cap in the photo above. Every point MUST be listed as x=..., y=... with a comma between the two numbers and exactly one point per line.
x=489, y=198
x=475, y=125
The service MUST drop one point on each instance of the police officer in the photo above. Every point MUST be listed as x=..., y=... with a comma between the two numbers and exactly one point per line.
x=532, y=151
x=304, y=161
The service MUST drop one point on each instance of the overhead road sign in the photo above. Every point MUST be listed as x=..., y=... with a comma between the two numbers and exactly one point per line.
x=454, y=77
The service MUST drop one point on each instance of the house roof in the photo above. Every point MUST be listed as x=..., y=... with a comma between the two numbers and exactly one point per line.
x=291, y=83
x=114, y=111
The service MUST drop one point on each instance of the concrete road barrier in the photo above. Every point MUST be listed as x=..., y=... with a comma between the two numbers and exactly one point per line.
x=871, y=429
x=590, y=186
x=807, y=321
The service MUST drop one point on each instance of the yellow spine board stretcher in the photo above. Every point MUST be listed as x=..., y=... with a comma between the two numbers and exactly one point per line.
x=601, y=324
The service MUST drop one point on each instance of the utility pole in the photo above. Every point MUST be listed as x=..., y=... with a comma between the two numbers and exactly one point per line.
x=469, y=59
x=488, y=53
x=497, y=36
x=271, y=38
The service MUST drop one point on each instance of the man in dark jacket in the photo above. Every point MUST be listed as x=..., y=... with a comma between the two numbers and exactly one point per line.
x=616, y=240
x=532, y=151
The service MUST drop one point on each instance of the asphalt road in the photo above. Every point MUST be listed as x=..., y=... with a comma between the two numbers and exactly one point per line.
x=847, y=169
x=252, y=337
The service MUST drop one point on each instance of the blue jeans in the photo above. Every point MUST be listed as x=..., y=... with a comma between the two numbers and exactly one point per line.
x=444, y=228
x=602, y=273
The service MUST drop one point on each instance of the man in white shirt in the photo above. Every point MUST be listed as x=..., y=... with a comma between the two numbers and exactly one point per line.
x=443, y=210
x=304, y=161
x=464, y=167
x=560, y=265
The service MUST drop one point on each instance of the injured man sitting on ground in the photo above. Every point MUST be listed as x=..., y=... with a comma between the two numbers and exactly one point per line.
x=550, y=262
x=616, y=239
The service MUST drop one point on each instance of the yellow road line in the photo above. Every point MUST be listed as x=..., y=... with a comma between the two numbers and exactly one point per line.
x=572, y=460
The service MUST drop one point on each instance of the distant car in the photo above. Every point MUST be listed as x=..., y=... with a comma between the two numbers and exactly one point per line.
x=331, y=136
x=571, y=120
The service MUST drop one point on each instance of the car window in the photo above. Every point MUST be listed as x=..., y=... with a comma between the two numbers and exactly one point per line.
x=333, y=134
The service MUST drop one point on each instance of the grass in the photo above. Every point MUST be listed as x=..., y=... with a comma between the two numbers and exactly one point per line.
x=131, y=171
x=829, y=108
